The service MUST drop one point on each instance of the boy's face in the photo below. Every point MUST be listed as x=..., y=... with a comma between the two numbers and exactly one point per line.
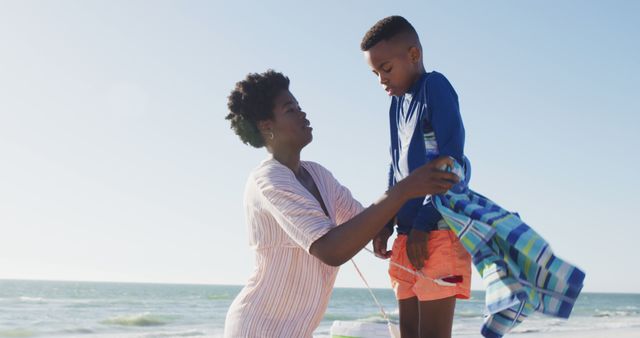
x=395, y=64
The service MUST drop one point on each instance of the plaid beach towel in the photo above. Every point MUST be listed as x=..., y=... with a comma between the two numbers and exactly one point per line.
x=520, y=272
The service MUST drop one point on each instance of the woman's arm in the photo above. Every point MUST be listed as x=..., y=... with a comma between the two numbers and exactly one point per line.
x=341, y=243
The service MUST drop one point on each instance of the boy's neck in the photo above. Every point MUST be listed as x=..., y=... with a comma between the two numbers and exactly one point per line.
x=418, y=73
x=416, y=77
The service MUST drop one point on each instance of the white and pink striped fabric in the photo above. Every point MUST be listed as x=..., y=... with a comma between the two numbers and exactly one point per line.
x=289, y=290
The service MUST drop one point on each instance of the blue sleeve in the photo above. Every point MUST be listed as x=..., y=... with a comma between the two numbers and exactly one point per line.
x=444, y=116
x=391, y=182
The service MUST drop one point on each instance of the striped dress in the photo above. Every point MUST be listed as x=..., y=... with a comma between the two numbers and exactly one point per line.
x=289, y=290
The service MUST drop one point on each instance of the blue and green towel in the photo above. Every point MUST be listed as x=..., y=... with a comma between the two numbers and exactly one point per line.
x=520, y=272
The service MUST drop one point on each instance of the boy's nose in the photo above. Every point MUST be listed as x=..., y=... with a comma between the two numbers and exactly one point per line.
x=382, y=80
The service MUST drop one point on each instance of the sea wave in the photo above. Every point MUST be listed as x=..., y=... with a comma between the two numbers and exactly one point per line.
x=522, y=331
x=615, y=313
x=83, y=305
x=141, y=319
x=469, y=314
x=221, y=296
x=337, y=316
x=75, y=331
x=188, y=333
x=26, y=299
x=17, y=333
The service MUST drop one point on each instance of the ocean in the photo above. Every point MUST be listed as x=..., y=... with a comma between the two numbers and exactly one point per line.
x=96, y=309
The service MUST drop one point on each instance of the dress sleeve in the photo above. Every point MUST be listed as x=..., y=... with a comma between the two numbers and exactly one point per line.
x=347, y=207
x=293, y=207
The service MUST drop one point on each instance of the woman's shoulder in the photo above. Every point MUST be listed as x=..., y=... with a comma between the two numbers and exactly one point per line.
x=270, y=170
x=318, y=168
x=314, y=165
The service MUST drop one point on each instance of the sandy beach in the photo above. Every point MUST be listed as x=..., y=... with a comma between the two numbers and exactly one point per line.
x=600, y=333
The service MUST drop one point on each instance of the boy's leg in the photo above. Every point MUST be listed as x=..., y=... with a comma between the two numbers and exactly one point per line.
x=403, y=283
x=409, y=317
x=446, y=257
x=436, y=318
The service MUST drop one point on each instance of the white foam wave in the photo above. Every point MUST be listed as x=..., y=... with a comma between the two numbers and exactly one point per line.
x=141, y=319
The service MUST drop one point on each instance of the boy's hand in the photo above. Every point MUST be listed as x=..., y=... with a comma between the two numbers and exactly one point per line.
x=417, y=248
x=380, y=243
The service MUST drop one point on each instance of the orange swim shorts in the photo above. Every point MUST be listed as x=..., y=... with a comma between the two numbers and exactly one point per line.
x=446, y=257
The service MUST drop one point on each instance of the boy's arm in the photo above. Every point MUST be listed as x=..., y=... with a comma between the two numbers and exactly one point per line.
x=391, y=182
x=445, y=119
x=426, y=221
x=444, y=115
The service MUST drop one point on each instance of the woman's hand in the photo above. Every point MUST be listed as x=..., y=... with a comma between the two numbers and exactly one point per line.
x=429, y=179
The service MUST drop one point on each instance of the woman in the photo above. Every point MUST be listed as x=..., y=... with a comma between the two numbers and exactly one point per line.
x=293, y=208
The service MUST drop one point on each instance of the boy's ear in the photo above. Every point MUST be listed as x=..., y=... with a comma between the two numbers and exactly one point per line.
x=415, y=54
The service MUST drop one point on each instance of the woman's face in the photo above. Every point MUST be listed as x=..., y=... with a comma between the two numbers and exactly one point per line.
x=290, y=126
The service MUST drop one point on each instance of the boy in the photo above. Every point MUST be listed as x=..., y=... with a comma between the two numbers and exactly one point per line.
x=425, y=123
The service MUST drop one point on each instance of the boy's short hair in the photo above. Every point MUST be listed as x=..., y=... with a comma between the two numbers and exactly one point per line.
x=387, y=29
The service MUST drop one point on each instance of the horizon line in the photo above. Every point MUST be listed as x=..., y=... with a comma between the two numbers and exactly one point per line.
x=234, y=285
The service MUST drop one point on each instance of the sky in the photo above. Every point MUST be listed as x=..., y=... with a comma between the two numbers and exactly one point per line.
x=116, y=163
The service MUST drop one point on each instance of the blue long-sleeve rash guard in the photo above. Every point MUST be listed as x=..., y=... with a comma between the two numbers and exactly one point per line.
x=425, y=123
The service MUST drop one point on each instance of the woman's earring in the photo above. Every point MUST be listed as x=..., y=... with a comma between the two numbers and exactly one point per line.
x=271, y=137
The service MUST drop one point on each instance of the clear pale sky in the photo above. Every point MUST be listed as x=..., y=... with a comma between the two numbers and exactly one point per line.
x=117, y=163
